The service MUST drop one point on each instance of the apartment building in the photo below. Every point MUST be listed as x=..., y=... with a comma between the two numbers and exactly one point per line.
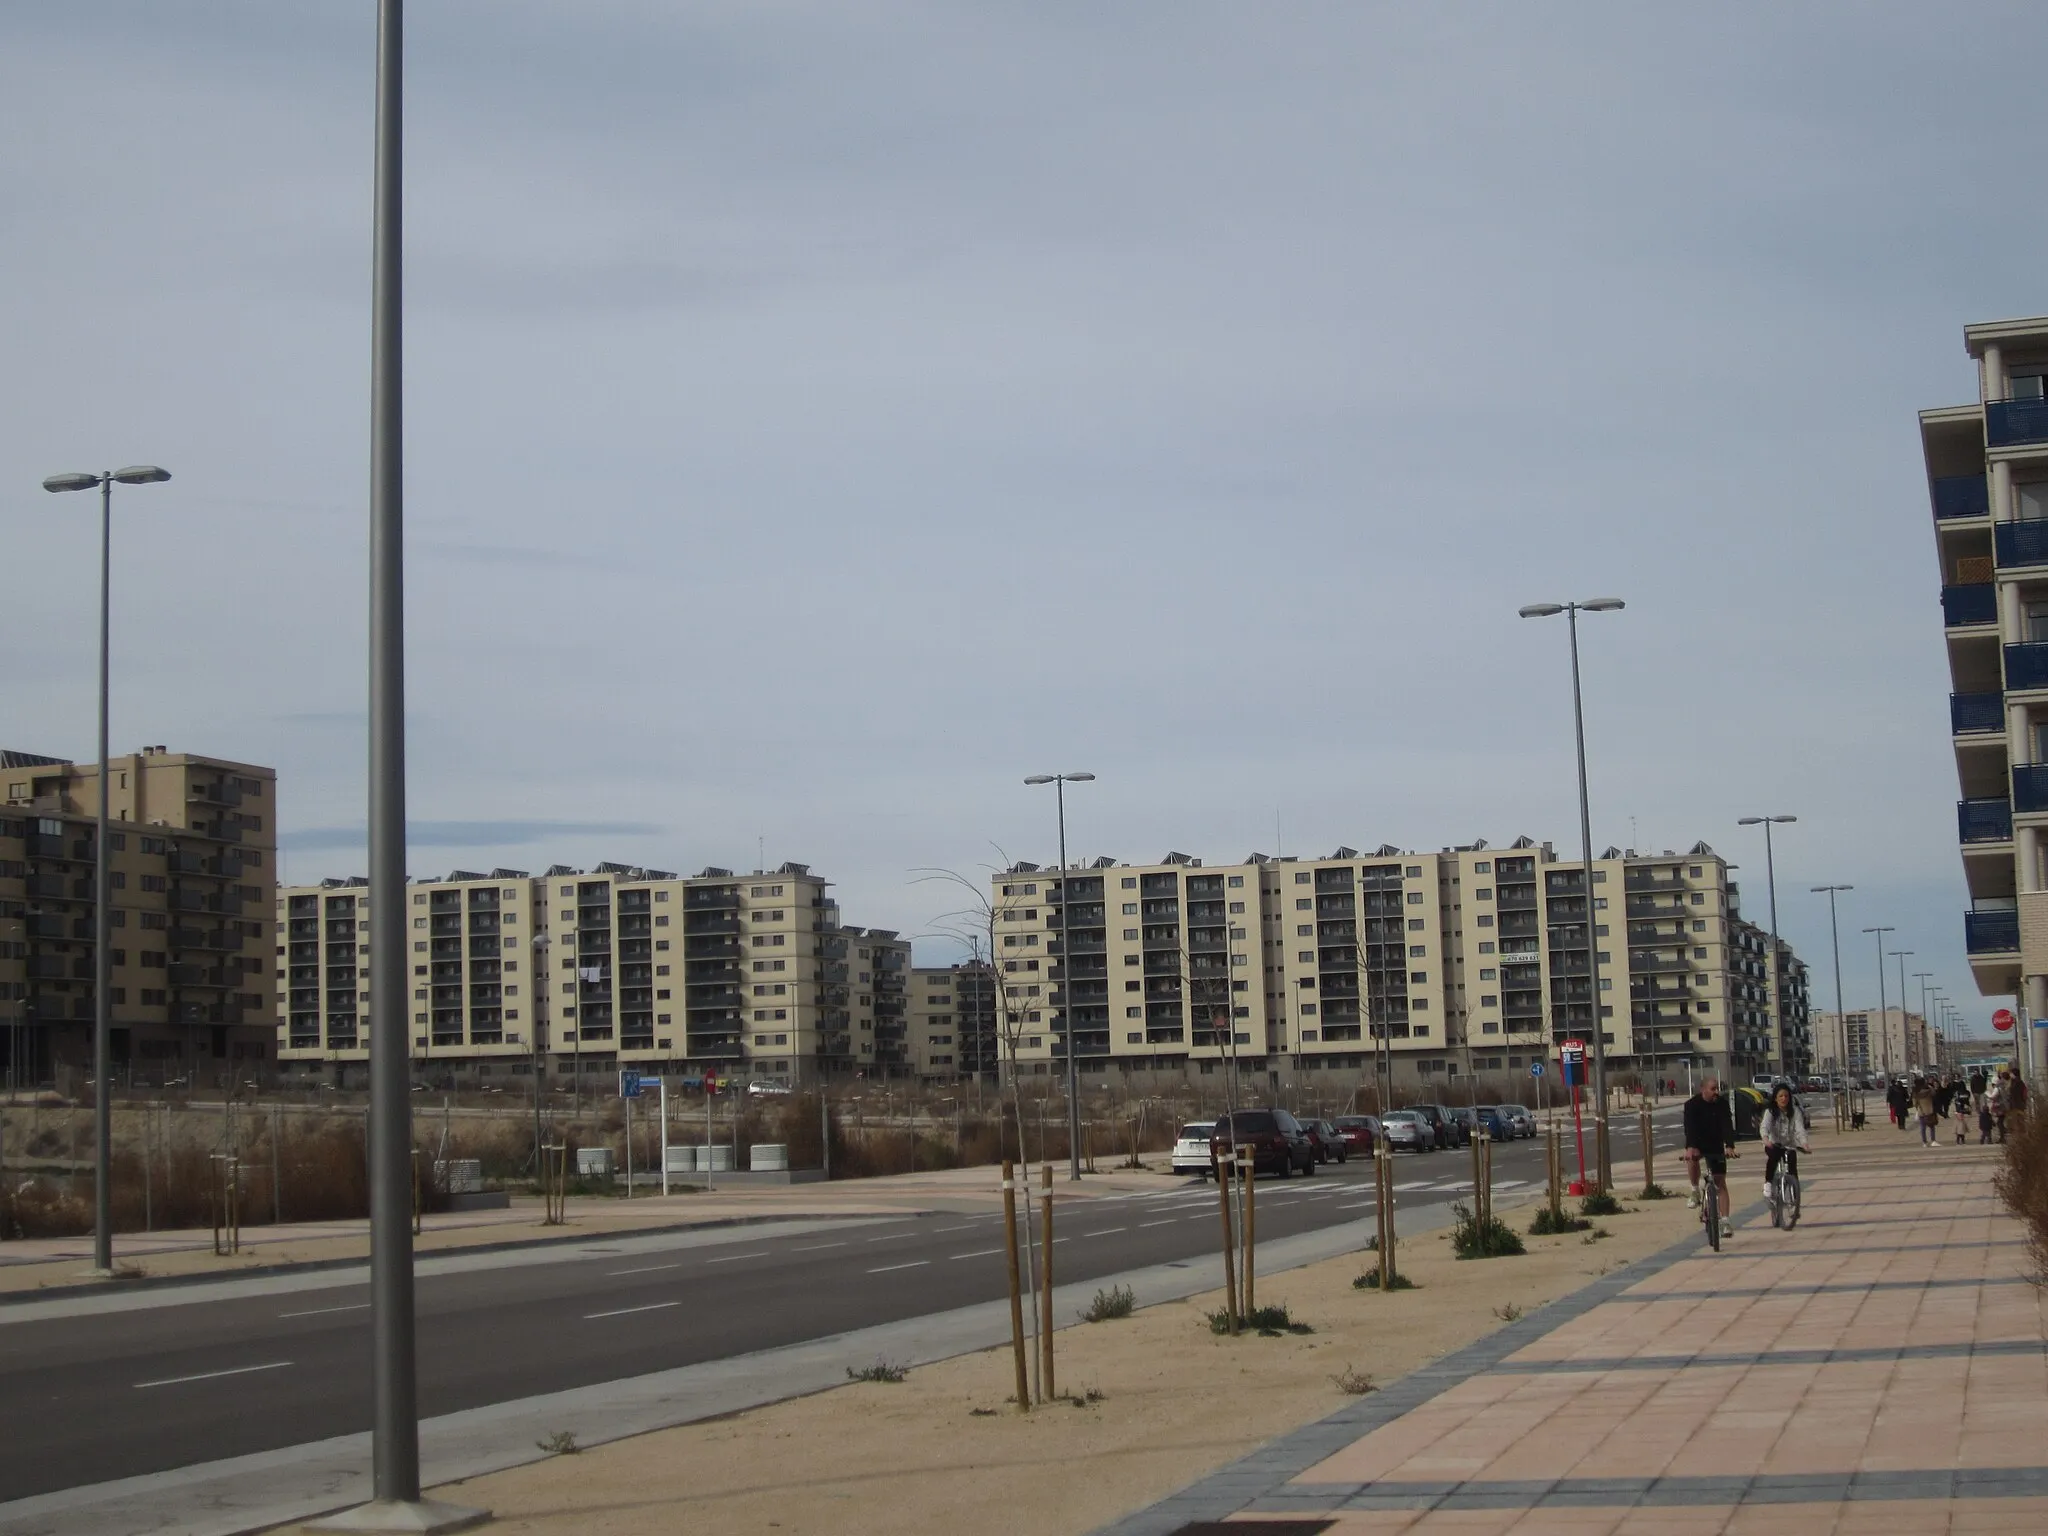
x=1867, y=1040
x=593, y=970
x=953, y=1021
x=1469, y=961
x=192, y=844
x=1987, y=483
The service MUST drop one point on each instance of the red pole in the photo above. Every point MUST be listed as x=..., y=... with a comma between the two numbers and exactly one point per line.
x=1579, y=1133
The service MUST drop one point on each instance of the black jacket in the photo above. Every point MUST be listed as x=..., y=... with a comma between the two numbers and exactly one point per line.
x=1709, y=1128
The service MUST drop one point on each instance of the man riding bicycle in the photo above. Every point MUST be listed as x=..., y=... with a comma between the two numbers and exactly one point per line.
x=1709, y=1137
x=1784, y=1130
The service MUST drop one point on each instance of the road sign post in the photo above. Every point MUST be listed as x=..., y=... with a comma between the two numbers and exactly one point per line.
x=1571, y=1061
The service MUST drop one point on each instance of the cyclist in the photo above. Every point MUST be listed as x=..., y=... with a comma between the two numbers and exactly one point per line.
x=1784, y=1130
x=1709, y=1135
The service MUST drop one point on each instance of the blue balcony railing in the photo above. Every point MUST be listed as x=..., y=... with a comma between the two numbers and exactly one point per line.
x=2026, y=666
x=2030, y=786
x=1975, y=602
x=1961, y=496
x=2023, y=543
x=1991, y=933
x=1972, y=712
x=2007, y=422
x=1984, y=821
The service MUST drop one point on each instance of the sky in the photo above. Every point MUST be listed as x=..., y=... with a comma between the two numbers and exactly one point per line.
x=820, y=417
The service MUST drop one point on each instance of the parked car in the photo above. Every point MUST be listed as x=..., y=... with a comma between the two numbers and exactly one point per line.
x=767, y=1088
x=1525, y=1123
x=1406, y=1130
x=1439, y=1120
x=1191, y=1151
x=1498, y=1124
x=1360, y=1132
x=1466, y=1122
x=1330, y=1144
x=1278, y=1141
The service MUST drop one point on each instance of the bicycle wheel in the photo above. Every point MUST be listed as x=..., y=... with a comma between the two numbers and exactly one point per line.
x=1710, y=1212
x=1791, y=1201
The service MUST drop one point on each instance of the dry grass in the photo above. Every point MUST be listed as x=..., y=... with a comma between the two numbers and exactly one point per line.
x=2022, y=1183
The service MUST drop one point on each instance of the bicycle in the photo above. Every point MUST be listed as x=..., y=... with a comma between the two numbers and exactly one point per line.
x=1710, y=1205
x=1785, y=1194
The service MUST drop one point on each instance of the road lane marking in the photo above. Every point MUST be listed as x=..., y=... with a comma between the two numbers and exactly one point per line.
x=814, y=1247
x=361, y=1306
x=1105, y=1231
x=1357, y=1205
x=647, y=1270
x=888, y=1268
x=240, y=1370
x=733, y=1257
x=979, y=1253
x=894, y=1237
x=652, y=1306
x=969, y=1227
x=1166, y=1223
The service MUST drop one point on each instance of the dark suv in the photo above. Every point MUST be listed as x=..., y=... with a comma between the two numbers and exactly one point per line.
x=1447, y=1130
x=1278, y=1141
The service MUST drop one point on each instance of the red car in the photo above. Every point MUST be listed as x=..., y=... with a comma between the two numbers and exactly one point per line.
x=1360, y=1133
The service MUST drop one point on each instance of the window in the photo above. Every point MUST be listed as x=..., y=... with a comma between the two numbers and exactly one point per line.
x=1308, y=1010
x=1418, y=1005
x=1236, y=882
x=1130, y=882
x=1599, y=903
x=1305, y=931
x=1415, y=898
x=1489, y=1000
x=1134, y=986
x=661, y=944
x=1130, y=909
x=1483, y=867
x=661, y=921
x=1416, y=925
x=1699, y=954
x=1698, y=926
x=1696, y=872
x=1134, y=1013
x=419, y=922
x=1484, y=893
x=1130, y=959
x=1306, y=957
x=1417, y=951
x=1488, y=973
x=1699, y=898
x=1418, y=976
x=1483, y=920
x=1302, y=904
x=1599, y=930
x=1301, y=877
x=1236, y=908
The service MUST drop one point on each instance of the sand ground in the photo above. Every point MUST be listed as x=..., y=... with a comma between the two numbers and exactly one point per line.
x=945, y=1450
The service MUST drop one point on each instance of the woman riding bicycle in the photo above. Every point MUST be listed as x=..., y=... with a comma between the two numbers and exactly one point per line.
x=1784, y=1130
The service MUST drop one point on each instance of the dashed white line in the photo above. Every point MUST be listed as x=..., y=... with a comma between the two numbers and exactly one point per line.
x=814, y=1247
x=731, y=1258
x=647, y=1270
x=240, y=1370
x=893, y=1237
x=1166, y=1223
x=967, y=1228
x=979, y=1253
x=1105, y=1232
x=1357, y=1205
x=887, y=1268
x=361, y=1306
x=652, y=1306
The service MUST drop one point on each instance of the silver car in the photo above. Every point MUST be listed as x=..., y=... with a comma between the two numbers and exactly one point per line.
x=1518, y=1114
x=1191, y=1151
x=1405, y=1128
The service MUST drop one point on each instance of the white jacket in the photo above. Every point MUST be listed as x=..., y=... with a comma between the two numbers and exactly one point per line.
x=1787, y=1130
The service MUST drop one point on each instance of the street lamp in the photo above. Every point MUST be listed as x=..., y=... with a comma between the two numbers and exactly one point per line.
x=103, y=959
x=1883, y=1015
x=1835, y=937
x=1905, y=1034
x=1927, y=1019
x=1059, y=782
x=1771, y=885
x=1571, y=611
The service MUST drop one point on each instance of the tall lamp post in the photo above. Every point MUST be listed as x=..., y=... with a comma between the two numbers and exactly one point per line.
x=1571, y=611
x=1059, y=782
x=102, y=879
x=1905, y=1024
x=1883, y=1019
x=1771, y=886
x=1926, y=1018
x=1835, y=937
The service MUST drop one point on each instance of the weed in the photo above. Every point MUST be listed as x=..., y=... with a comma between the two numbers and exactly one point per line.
x=981, y=1413
x=1654, y=1192
x=1353, y=1381
x=1600, y=1203
x=561, y=1443
x=1492, y=1238
x=1596, y=1235
x=1550, y=1224
x=1372, y=1244
x=1266, y=1322
x=1370, y=1281
x=881, y=1370
x=1118, y=1301
x=1509, y=1312
x=1087, y=1399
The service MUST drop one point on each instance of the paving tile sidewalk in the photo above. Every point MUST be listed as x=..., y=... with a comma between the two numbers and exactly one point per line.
x=1882, y=1367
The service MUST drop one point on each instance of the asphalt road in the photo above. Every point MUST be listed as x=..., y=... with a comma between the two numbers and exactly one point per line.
x=91, y=1398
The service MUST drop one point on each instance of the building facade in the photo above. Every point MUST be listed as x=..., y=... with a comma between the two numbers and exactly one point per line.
x=1467, y=962
x=1865, y=1041
x=1987, y=482
x=192, y=849
x=953, y=1021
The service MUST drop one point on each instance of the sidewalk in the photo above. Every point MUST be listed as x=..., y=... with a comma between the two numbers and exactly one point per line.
x=35, y=1264
x=1882, y=1369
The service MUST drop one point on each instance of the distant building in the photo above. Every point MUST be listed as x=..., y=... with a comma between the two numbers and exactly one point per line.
x=192, y=847
x=953, y=1021
x=1866, y=1040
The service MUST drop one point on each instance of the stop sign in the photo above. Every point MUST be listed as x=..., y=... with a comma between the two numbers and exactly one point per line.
x=2003, y=1020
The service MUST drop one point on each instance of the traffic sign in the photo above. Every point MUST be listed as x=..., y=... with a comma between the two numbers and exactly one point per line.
x=2003, y=1020
x=1571, y=1050
x=629, y=1085
x=1535, y=1069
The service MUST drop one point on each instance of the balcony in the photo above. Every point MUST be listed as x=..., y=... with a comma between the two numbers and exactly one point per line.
x=2030, y=786
x=2008, y=423
x=1991, y=933
x=1984, y=821
x=2026, y=666
x=1961, y=496
x=1972, y=602
x=2021, y=544
x=1972, y=713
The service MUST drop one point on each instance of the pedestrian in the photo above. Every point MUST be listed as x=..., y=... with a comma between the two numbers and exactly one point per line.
x=1993, y=1118
x=1923, y=1110
x=1960, y=1107
x=1895, y=1099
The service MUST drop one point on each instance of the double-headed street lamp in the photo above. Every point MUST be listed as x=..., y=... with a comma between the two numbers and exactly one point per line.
x=103, y=959
x=1059, y=782
x=1883, y=1022
x=1771, y=885
x=1571, y=611
x=1905, y=1036
x=1835, y=937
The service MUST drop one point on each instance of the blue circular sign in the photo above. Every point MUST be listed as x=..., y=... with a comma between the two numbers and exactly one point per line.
x=1535, y=1069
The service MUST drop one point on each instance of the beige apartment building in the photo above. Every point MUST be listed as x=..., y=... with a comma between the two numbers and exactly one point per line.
x=1987, y=482
x=192, y=849
x=1467, y=962
x=1892, y=1042
x=953, y=1021
x=589, y=971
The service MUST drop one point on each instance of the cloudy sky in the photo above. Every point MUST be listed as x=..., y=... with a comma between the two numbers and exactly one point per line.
x=821, y=416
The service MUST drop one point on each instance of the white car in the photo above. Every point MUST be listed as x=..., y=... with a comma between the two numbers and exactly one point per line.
x=762, y=1087
x=1191, y=1151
